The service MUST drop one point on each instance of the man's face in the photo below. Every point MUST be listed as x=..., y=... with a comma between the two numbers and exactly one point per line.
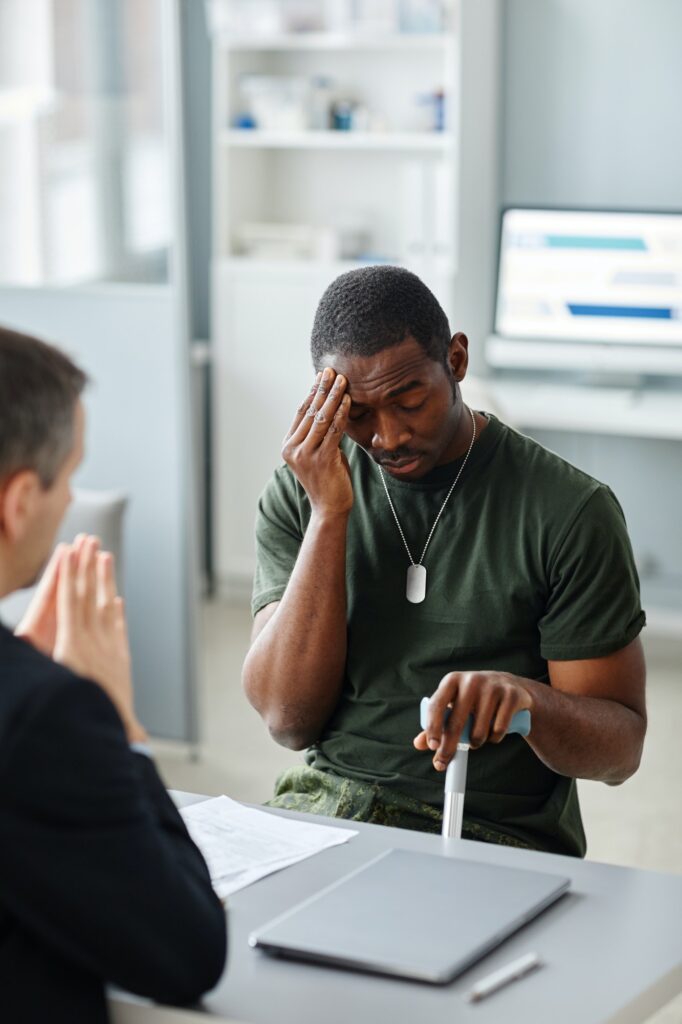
x=405, y=407
x=47, y=510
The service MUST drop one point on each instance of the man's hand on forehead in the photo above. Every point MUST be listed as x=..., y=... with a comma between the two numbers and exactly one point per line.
x=325, y=399
x=311, y=447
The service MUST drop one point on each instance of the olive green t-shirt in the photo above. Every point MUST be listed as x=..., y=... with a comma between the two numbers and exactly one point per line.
x=529, y=562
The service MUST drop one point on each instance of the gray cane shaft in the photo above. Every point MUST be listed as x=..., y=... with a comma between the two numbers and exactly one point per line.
x=455, y=788
x=453, y=814
x=456, y=774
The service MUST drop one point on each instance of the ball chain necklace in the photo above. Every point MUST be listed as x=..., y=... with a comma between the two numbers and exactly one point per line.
x=415, y=588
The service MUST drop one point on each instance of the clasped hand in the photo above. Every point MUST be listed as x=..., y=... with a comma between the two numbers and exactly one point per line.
x=492, y=698
x=77, y=618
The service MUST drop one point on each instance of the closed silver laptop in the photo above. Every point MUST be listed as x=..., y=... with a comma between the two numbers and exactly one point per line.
x=411, y=915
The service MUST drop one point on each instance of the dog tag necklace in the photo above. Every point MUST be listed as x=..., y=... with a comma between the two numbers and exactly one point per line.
x=415, y=588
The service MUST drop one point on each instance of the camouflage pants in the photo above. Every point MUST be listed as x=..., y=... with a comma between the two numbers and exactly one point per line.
x=306, y=789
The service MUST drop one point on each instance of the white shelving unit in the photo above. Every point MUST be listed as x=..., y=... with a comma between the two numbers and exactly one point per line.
x=385, y=142
x=388, y=193
x=320, y=41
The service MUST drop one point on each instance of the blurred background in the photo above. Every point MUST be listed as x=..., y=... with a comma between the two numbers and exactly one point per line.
x=180, y=180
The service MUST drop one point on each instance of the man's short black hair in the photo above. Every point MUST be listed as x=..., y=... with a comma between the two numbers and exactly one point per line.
x=39, y=389
x=370, y=309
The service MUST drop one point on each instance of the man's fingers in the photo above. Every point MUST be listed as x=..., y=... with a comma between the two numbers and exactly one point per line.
x=79, y=543
x=87, y=578
x=121, y=612
x=440, y=701
x=325, y=417
x=420, y=741
x=317, y=410
x=484, y=717
x=48, y=582
x=324, y=383
x=47, y=588
x=503, y=717
x=82, y=546
x=459, y=689
x=120, y=617
x=339, y=422
x=303, y=408
x=451, y=733
x=106, y=584
x=67, y=614
x=491, y=698
x=39, y=621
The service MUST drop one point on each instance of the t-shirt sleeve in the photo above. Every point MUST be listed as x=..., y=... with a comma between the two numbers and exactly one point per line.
x=594, y=603
x=279, y=535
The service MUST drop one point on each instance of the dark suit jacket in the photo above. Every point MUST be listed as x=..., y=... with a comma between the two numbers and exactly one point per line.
x=99, y=880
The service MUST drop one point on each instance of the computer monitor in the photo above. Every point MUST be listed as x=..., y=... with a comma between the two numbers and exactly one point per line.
x=582, y=288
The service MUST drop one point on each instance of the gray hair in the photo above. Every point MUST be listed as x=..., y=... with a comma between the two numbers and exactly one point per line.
x=39, y=389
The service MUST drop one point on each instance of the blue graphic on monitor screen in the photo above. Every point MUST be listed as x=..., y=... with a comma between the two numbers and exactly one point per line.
x=643, y=312
x=595, y=242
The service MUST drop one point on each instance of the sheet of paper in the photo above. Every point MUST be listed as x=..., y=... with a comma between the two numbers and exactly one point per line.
x=242, y=844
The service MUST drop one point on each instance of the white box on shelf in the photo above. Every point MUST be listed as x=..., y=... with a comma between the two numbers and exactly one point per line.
x=244, y=17
x=288, y=242
x=377, y=16
x=278, y=103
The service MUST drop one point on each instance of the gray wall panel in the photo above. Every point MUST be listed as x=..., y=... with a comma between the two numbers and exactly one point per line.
x=127, y=340
x=591, y=117
x=592, y=103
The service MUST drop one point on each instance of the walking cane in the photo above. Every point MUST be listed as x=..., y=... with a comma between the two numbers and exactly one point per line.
x=456, y=774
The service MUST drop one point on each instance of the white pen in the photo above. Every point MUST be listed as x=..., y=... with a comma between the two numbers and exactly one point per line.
x=516, y=969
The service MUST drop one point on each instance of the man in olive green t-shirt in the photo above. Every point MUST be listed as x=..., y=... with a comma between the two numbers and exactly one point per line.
x=412, y=547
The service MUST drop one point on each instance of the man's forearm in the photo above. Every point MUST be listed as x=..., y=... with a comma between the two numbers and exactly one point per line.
x=585, y=737
x=293, y=672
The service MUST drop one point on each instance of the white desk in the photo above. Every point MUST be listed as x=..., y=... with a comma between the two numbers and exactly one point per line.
x=612, y=946
x=624, y=412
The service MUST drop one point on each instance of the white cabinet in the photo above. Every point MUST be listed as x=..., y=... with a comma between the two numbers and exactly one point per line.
x=333, y=148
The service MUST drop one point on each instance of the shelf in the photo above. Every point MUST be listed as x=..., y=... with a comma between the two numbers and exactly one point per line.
x=429, y=142
x=349, y=41
x=247, y=266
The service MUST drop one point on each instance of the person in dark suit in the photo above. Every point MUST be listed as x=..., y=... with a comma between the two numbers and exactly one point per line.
x=99, y=880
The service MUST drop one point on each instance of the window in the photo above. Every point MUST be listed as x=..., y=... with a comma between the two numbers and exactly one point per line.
x=84, y=182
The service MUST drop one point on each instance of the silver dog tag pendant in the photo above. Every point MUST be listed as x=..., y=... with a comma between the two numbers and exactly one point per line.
x=415, y=591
